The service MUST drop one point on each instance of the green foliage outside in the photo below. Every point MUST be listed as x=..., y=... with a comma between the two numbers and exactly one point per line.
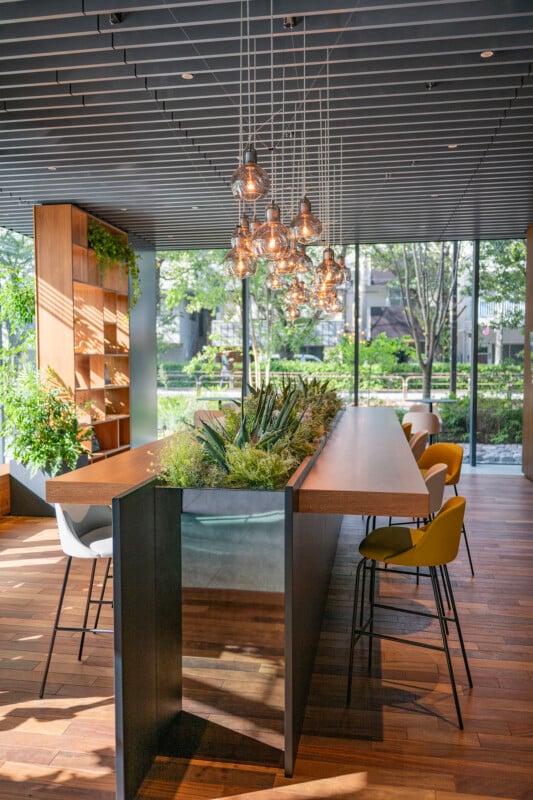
x=257, y=446
x=197, y=279
x=17, y=299
x=176, y=412
x=426, y=273
x=502, y=278
x=498, y=421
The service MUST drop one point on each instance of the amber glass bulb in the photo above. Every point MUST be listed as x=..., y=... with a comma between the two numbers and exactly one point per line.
x=250, y=182
x=271, y=239
x=238, y=261
x=293, y=312
x=306, y=227
x=274, y=282
x=305, y=262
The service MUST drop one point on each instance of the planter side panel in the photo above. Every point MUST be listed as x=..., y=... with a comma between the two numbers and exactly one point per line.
x=146, y=573
x=311, y=549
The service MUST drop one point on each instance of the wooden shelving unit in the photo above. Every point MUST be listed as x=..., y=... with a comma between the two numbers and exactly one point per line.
x=83, y=324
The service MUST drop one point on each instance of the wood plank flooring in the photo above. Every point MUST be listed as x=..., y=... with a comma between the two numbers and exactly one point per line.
x=400, y=728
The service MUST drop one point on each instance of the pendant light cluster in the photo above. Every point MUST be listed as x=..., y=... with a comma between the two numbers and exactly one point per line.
x=282, y=246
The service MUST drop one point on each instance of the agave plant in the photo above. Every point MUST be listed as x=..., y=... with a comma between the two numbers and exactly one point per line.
x=257, y=446
x=267, y=419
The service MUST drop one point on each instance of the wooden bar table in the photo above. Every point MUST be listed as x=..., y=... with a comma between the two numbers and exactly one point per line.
x=366, y=467
x=99, y=483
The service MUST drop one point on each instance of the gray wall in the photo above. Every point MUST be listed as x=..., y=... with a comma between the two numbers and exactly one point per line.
x=143, y=344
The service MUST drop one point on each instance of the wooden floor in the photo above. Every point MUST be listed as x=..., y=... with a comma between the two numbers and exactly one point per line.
x=400, y=728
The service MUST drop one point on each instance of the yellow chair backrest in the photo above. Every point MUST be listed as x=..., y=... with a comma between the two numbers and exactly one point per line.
x=435, y=480
x=436, y=543
x=444, y=453
x=418, y=443
x=406, y=427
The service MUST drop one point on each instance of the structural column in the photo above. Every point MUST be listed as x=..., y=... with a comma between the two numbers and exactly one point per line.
x=527, y=434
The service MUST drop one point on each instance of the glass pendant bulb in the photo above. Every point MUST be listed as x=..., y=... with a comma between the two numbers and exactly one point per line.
x=334, y=305
x=250, y=182
x=346, y=281
x=304, y=294
x=293, y=293
x=274, y=282
x=305, y=262
x=306, y=227
x=293, y=312
x=297, y=293
x=328, y=260
x=271, y=239
x=289, y=263
x=283, y=266
x=238, y=261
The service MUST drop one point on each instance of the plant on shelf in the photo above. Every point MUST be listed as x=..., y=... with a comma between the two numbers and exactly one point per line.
x=40, y=423
x=111, y=249
x=258, y=446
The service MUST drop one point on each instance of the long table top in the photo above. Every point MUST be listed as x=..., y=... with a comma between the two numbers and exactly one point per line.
x=366, y=467
x=98, y=483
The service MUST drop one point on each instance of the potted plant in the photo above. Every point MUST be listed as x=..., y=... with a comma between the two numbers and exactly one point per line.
x=43, y=437
x=256, y=447
x=111, y=249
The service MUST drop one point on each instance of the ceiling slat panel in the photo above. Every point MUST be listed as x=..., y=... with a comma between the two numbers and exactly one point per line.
x=100, y=114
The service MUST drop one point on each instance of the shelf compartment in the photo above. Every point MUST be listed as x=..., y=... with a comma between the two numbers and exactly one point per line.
x=123, y=323
x=84, y=266
x=90, y=405
x=124, y=432
x=107, y=434
x=79, y=226
x=88, y=319
x=82, y=372
x=110, y=307
x=117, y=400
x=89, y=371
x=117, y=368
x=116, y=278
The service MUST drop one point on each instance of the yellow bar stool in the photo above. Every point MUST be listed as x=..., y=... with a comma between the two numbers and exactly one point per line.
x=452, y=455
x=434, y=546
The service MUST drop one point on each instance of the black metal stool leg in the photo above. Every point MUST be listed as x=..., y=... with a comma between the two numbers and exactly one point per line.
x=444, y=583
x=459, y=631
x=56, y=622
x=463, y=531
x=360, y=567
x=371, y=605
x=433, y=573
x=100, y=600
x=87, y=605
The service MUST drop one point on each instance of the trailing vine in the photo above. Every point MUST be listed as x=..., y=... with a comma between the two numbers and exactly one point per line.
x=111, y=249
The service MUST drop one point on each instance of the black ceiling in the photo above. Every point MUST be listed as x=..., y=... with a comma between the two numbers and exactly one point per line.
x=98, y=114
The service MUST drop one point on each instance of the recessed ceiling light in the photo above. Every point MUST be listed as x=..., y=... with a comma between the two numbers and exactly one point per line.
x=452, y=147
x=187, y=76
x=51, y=169
x=486, y=53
